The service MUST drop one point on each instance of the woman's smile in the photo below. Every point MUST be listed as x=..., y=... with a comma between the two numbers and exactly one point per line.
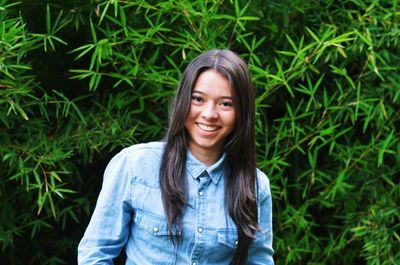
x=212, y=115
x=207, y=128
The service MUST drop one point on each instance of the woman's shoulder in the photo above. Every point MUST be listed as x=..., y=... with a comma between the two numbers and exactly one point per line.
x=146, y=149
x=141, y=155
x=140, y=161
x=263, y=185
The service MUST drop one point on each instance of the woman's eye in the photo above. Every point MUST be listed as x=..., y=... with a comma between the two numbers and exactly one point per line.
x=197, y=99
x=227, y=104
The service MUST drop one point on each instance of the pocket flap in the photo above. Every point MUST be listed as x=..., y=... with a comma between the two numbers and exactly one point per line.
x=152, y=223
x=228, y=237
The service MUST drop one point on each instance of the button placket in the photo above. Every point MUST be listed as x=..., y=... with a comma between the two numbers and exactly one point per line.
x=201, y=222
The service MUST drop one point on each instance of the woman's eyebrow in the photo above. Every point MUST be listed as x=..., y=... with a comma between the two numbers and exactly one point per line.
x=197, y=91
x=202, y=93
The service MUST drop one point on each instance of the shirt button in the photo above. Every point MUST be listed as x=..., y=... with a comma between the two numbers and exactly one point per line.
x=155, y=229
x=193, y=263
x=200, y=229
x=201, y=193
x=236, y=243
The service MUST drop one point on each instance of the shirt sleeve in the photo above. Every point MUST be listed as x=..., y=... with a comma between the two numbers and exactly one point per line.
x=261, y=250
x=108, y=228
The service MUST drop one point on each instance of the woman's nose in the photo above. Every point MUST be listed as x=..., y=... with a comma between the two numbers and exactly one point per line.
x=210, y=112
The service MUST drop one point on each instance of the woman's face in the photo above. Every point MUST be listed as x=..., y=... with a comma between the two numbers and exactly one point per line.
x=212, y=114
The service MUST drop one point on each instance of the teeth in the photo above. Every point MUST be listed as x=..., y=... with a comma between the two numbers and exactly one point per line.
x=207, y=128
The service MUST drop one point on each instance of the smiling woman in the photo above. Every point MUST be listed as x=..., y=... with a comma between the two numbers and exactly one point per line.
x=211, y=117
x=197, y=197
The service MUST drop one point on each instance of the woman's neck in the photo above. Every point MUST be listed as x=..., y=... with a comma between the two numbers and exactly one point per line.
x=206, y=156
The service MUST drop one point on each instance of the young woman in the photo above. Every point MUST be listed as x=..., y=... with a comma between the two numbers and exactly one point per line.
x=197, y=197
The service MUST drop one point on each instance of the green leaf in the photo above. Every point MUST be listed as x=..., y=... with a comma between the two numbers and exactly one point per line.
x=21, y=111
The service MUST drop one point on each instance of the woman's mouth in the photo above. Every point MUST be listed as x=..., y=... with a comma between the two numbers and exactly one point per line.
x=207, y=128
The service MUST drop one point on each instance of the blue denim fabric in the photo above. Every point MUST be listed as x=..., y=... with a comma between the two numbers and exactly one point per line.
x=129, y=215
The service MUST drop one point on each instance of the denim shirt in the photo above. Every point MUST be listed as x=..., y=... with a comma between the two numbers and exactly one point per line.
x=129, y=215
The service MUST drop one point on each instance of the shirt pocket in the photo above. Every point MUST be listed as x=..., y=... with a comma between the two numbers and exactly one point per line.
x=152, y=238
x=227, y=237
x=226, y=244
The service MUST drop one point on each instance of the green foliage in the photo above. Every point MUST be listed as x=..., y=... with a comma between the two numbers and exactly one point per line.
x=100, y=76
x=34, y=172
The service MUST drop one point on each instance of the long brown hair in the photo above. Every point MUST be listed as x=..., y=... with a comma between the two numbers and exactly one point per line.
x=240, y=184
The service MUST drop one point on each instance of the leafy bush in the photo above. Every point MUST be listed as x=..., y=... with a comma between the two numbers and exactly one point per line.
x=328, y=88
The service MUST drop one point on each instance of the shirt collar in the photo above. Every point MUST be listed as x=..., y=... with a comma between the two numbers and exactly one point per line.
x=195, y=168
